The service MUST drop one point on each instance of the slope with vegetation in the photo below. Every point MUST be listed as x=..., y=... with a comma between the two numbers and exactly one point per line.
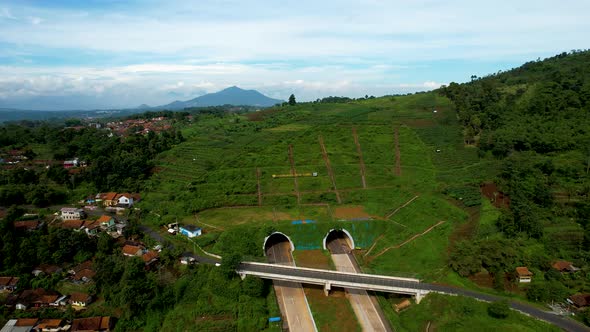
x=401, y=173
x=534, y=120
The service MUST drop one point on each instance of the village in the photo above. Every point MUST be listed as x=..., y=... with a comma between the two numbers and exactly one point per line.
x=102, y=213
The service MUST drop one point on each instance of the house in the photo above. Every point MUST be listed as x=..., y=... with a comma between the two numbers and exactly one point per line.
x=26, y=225
x=46, y=269
x=80, y=299
x=564, y=266
x=523, y=274
x=36, y=298
x=109, y=199
x=130, y=250
x=72, y=213
x=20, y=325
x=74, y=224
x=83, y=276
x=92, y=227
x=107, y=222
x=98, y=324
x=580, y=301
x=150, y=257
x=127, y=199
x=71, y=163
x=82, y=273
x=8, y=284
x=190, y=230
x=52, y=325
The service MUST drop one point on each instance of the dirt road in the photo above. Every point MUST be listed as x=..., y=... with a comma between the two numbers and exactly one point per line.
x=329, y=168
x=290, y=295
x=361, y=160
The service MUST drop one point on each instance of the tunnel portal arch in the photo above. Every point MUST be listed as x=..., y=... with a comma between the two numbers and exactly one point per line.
x=350, y=239
x=275, y=234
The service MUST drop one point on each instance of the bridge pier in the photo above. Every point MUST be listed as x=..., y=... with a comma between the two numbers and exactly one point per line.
x=327, y=288
x=420, y=295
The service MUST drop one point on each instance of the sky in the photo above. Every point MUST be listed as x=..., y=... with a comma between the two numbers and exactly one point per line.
x=71, y=54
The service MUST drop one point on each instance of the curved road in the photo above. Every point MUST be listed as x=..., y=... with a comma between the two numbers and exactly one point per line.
x=564, y=323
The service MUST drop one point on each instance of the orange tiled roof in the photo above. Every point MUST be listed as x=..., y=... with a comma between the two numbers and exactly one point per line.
x=79, y=297
x=149, y=256
x=72, y=224
x=523, y=271
x=109, y=196
x=104, y=218
x=131, y=250
x=26, y=322
x=86, y=273
x=49, y=323
x=562, y=265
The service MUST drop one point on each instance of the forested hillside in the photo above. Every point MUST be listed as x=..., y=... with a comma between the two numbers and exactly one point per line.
x=535, y=119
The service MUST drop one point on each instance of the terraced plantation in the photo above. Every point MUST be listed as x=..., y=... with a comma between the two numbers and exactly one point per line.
x=371, y=167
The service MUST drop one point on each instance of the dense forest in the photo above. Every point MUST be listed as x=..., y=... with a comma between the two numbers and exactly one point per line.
x=535, y=120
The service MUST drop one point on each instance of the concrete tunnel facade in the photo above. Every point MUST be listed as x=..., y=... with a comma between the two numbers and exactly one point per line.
x=277, y=234
x=349, y=237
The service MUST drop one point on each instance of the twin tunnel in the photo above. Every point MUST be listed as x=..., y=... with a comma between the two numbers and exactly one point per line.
x=336, y=240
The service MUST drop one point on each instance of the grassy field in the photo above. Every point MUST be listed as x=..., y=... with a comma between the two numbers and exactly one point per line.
x=222, y=176
x=457, y=313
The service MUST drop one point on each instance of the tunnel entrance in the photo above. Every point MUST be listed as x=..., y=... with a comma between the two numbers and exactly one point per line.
x=277, y=239
x=337, y=240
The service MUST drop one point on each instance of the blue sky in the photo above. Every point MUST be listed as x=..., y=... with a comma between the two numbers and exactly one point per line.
x=101, y=54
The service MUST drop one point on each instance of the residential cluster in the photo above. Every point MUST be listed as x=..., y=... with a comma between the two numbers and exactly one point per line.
x=75, y=219
x=142, y=126
x=577, y=302
x=98, y=323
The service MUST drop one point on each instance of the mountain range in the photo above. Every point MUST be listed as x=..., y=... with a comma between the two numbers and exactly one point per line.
x=229, y=96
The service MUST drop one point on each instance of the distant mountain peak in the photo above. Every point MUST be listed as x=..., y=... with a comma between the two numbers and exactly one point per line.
x=232, y=95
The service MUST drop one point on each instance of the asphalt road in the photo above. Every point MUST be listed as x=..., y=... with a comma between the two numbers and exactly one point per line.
x=565, y=323
x=559, y=321
x=159, y=238
x=365, y=306
x=290, y=295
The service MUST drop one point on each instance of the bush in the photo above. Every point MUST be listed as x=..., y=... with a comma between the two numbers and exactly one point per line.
x=499, y=309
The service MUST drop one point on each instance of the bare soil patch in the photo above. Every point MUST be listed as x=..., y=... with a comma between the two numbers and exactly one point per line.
x=351, y=212
x=260, y=115
x=496, y=197
x=398, y=163
x=483, y=279
x=466, y=230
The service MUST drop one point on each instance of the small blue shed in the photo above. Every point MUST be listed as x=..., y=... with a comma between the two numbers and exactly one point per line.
x=190, y=230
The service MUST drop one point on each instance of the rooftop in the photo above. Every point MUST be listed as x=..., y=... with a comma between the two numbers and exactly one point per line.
x=523, y=271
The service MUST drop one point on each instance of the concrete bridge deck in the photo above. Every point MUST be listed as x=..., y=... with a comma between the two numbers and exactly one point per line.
x=390, y=284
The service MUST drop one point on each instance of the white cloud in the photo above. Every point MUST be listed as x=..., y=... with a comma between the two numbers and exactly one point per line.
x=155, y=50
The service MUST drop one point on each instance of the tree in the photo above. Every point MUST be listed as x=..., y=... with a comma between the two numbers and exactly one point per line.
x=292, y=100
x=499, y=309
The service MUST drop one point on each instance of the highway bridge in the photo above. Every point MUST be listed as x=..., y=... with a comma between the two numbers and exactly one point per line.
x=388, y=284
